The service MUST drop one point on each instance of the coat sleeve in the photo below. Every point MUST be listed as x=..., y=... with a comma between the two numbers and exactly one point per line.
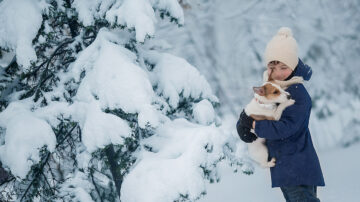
x=292, y=118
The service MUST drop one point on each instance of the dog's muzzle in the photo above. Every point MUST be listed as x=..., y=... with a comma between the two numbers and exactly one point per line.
x=288, y=97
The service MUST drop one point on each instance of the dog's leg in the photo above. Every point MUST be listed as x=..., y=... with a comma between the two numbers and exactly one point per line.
x=259, y=153
x=281, y=107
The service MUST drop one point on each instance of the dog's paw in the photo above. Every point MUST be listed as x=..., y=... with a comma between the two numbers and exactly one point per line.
x=291, y=102
x=269, y=164
x=272, y=163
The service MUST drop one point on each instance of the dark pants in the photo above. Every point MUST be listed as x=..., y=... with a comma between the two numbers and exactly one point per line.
x=302, y=193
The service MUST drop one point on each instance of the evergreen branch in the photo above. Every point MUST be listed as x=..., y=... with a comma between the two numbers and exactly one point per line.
x=47, y=182
x=36, y=176
x=44, y=76
x=96, y=188
x=67, y=135
x=6, y=194
x=55, y=53
x=110, y=153
x=8, y=180
x=43, y=163
x=29, y=74
x=107, y=175
x=52, y=174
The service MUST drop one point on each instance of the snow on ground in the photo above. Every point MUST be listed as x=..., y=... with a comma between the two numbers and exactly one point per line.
x=340, y=167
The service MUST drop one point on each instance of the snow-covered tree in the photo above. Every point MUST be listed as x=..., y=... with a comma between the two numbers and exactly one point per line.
x=93, y=109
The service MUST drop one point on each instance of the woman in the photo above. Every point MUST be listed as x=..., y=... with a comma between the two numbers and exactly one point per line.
x=297, y=171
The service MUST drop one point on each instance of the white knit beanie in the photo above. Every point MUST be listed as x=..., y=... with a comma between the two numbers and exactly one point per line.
x=282, y=47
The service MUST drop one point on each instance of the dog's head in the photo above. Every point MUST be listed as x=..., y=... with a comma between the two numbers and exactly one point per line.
x=270, y=93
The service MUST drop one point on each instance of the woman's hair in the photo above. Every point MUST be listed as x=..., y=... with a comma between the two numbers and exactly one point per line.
x=274, y=62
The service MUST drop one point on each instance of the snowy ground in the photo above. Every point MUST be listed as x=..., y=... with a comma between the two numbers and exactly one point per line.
x=340, y=168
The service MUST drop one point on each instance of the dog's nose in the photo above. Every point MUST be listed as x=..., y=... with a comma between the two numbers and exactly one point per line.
x=288, y=96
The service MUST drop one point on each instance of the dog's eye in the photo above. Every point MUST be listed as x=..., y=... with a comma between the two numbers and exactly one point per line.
x=276, y=92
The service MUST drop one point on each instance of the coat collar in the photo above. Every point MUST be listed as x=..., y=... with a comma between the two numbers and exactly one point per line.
x=302, y=72
x=284, y=84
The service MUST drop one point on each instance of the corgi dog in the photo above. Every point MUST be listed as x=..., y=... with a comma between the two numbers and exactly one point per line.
x=268, y=103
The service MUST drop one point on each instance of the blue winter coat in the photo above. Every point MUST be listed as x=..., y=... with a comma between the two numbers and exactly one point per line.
x=289, y=139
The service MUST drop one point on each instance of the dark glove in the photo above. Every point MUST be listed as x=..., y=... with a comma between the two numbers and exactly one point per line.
x=245, y=134
x=244, y=131
x=246, y=121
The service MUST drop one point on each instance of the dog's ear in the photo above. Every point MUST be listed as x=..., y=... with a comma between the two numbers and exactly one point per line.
x=259, y=90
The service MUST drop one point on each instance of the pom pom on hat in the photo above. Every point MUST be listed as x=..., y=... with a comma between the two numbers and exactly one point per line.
x=285, y=31
x=282, y=47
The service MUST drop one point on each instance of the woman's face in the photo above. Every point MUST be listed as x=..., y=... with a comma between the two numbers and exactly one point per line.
x=278, y=70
